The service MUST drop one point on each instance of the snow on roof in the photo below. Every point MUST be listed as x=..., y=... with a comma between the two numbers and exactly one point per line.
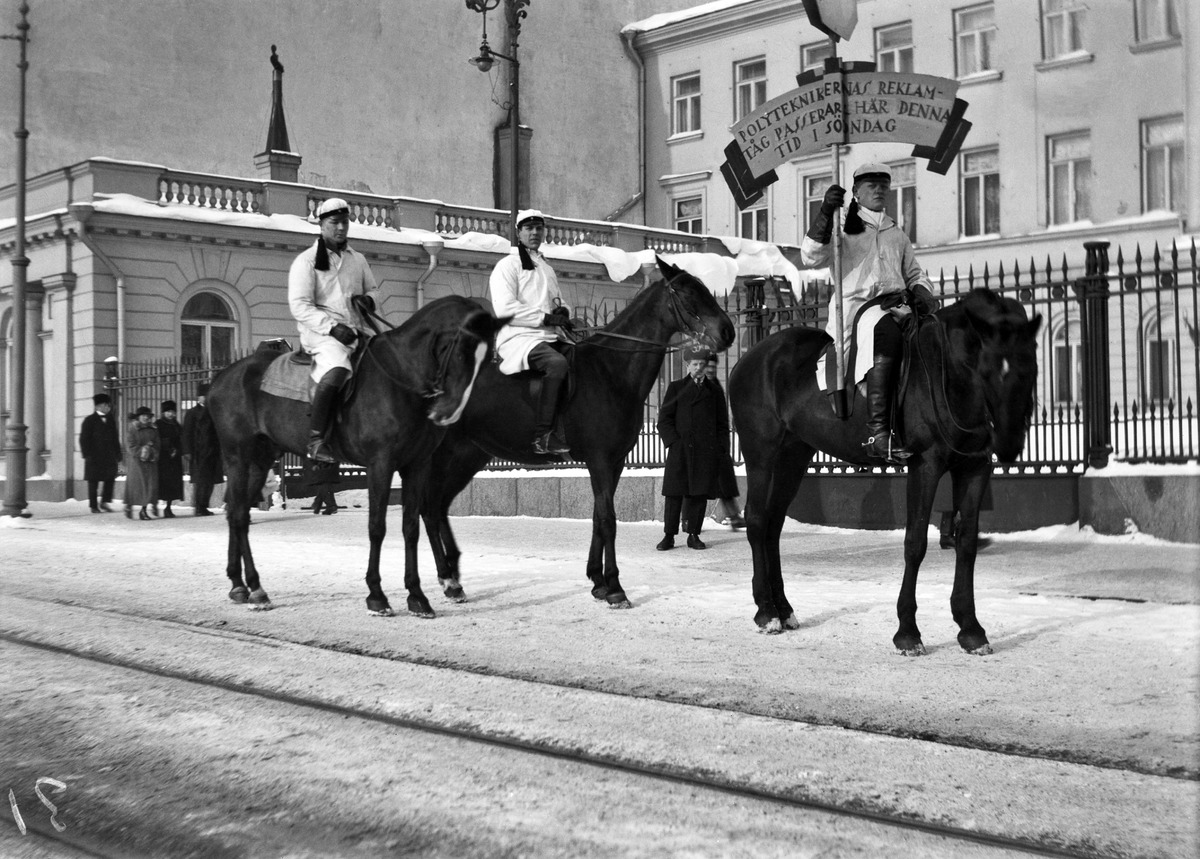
x=750, y=259
x=666, y=18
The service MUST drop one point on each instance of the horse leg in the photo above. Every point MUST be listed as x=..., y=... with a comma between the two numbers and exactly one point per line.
x=379, y=480
x=968, y=492
x=604, y=536
x=246, y=479
x=452, y=469
x=770, y=488
x=922, y=484
x=413, y=481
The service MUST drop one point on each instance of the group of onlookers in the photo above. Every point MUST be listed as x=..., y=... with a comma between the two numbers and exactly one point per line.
x=156, y=454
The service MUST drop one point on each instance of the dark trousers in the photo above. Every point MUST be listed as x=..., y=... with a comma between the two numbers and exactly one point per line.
x=105, y=495
x=546, y=360
x=693, y=515
x=201, y=492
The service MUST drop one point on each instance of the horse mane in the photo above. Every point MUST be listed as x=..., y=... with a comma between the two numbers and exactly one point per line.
x=635, y=306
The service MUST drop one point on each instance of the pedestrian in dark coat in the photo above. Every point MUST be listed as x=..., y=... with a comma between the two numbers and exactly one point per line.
x=323, y=477
x=693, y=423
x=100, y=444
x=202, y=452
x=141, y=463
x=170, y=457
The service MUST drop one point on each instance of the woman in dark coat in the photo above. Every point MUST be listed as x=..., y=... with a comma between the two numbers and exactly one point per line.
x=170, y=457
x=141, y=463
x=693, y=423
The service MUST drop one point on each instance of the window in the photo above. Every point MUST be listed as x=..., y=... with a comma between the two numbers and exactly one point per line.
x=1156, y=20
x=812, y=57
x=750, y=87
x=980, y=194
x=685, y=95
x=814, y=193
x=689, y=215
x=208, y=331
x=753, y=224
x=894, y=48
x=902, y=198
x=975, y=38
x=1068, y=365
x=1062, y=27
x=1160, y=368
x=1070, y=172
x=1162, y=165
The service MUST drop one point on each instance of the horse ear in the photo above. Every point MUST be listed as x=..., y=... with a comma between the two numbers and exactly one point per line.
x=668, y=271
x=1032, y=326
x=499, y=322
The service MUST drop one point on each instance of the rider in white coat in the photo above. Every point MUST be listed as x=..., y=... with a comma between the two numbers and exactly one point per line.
x=524, y=286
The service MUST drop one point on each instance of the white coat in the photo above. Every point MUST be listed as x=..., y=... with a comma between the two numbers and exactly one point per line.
x=527, y=296
x=320, y=300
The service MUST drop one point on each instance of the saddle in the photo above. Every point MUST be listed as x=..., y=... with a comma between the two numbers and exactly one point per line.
x=827, y=379
x=289, y=375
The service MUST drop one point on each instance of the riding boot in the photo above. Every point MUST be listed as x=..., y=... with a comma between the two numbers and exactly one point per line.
x=881, y=442
x=547, y=435
x=323, y=401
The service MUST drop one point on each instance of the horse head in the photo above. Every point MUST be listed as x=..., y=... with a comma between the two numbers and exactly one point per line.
x=1007, y=365
x=460, y=338
x=695, y=309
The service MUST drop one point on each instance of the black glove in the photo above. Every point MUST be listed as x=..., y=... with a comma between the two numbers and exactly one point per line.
x=343, y=334
x=364, y=304
x=556, y=319
x=821, y=228
x=923, y=302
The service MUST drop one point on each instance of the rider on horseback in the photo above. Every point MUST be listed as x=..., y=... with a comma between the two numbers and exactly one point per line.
x=330, y=290
x=877, y=261
x=525, y=287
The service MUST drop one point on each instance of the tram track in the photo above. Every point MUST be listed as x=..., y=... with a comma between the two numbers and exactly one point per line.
x=677, y=773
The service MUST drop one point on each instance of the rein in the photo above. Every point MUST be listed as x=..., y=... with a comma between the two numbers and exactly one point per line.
x=667, y=347
x=984, y=426
x=429, y=390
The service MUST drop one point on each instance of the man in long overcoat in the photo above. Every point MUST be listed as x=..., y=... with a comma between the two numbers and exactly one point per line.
x=202, y=452
x=170, y=457
x=693, y=423
x=100, y=444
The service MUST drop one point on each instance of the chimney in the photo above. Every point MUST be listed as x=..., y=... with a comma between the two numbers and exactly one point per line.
x=277, y=162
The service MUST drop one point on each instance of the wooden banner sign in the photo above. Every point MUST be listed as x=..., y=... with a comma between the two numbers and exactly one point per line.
x=847, y=103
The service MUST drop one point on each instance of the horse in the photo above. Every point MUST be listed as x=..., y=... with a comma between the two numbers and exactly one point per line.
x=969, y=395
x=613, y=371
x=412, y=382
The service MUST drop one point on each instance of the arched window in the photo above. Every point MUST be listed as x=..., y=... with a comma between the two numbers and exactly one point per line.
x=208, y=331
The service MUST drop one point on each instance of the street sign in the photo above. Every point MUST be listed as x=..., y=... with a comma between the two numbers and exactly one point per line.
x=846, y=103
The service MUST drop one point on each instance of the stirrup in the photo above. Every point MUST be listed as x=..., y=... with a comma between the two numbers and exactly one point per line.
x=547, y=444
x=319, y=451
x=881, y=446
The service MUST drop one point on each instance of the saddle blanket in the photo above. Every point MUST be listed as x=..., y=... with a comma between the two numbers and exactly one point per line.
x=285, y=378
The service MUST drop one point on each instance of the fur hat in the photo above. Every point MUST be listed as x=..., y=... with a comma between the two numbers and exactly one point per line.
x=202, y=389
x=101, y=399
x=168, y=406
x=144, y=410
x=696, y=353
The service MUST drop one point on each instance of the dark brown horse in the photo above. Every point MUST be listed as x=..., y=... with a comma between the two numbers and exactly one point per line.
x=614, y=370
x=412, y=382
x=969, y=396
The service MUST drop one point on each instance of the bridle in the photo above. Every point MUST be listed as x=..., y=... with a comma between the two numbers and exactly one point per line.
x=681, y=323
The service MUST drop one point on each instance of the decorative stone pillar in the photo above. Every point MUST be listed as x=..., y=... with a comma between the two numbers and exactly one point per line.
x=1092, y=291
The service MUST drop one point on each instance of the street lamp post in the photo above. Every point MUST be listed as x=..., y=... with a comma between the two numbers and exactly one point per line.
x=16, y=468
x=514, y=11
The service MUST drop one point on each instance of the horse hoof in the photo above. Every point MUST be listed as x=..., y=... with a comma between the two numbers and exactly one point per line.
x=600, y=592
x=617, y=599
x=382, y=612
x=240, y=594
x=917, y=649
x=620, y=605
x=770, y=626
x=984, y=649
x=791, y=622
x=382, y=607
x=420, y=608
x=452, y=590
